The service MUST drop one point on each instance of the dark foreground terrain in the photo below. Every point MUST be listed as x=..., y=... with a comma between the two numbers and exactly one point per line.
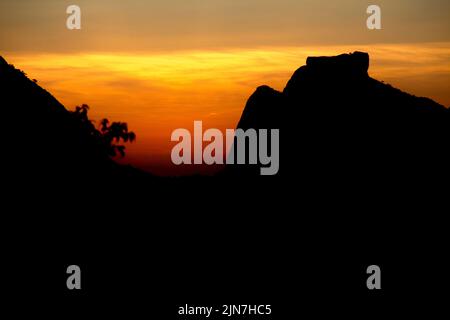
x=364, y=171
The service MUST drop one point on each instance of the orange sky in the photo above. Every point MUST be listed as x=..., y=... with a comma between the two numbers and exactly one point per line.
x=161, y=64
x=156, y=93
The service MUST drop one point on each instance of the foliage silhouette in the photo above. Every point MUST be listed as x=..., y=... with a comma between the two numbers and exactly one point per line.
x=108, y=135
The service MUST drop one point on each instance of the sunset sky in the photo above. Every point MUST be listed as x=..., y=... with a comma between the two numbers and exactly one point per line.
x=161, y=64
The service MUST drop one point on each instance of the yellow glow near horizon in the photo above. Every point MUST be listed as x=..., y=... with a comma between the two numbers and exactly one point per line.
x=159, y=92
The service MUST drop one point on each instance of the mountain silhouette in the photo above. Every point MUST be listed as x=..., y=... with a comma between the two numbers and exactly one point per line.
x=336, y=122
x=361, y=166
x=44, y=142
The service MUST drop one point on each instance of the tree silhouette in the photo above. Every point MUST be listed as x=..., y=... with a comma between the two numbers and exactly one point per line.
x=108, y=135
x=115, y=132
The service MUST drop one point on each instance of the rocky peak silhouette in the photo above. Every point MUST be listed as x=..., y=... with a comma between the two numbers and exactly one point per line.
x=334, y=117
x=357, y=62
